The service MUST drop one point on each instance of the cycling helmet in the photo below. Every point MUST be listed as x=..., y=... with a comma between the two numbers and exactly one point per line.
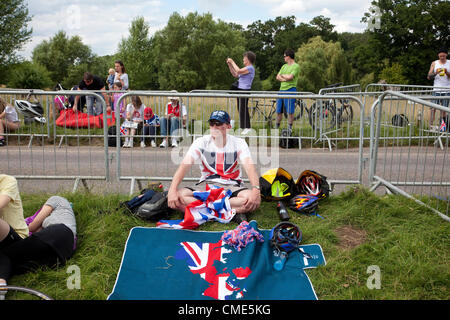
x=30, y=110
x=304, y=203
x=313, y=184
x=285, y=237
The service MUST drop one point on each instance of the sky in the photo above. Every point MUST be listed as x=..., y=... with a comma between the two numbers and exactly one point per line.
x=102, y=24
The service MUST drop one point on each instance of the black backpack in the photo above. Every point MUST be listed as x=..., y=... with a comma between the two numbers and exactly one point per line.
x=112, y=137
x=286, y=141
x=134, y=204
x=156, y=208
x=400, y=120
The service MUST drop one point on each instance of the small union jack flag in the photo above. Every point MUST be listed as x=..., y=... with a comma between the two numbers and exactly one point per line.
x=211, y=205
x=443, y=126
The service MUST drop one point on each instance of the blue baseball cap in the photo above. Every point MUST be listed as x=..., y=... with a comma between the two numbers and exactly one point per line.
x=220, y=115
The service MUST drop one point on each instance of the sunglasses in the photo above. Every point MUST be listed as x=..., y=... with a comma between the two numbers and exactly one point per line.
x=216, y=123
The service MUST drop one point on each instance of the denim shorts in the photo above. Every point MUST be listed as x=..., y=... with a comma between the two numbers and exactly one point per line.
x=442, y=102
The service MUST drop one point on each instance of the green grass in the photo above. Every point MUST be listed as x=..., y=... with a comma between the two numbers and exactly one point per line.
x=409, y=244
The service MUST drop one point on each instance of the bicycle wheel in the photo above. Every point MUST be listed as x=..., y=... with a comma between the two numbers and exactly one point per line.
x=327, y=117
x=345, y=115
x=299, y=107
x=26, y=290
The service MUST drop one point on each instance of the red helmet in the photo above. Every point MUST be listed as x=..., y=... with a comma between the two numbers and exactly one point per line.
x=313, y=184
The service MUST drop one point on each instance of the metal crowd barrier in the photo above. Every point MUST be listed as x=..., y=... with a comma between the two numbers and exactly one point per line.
x=142, y=164
x=45, y=151
x=329, y=140
x=406, y=155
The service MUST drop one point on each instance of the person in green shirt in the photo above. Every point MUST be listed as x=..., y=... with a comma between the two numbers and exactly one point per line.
x=288, y=76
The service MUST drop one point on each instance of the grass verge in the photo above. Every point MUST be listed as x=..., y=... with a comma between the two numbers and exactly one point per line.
x=407, y=242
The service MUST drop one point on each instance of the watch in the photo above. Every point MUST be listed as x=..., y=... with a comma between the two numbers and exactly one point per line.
x=255, y=187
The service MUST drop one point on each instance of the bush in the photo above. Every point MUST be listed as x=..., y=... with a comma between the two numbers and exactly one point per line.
x=394, y=74
x=29, y=75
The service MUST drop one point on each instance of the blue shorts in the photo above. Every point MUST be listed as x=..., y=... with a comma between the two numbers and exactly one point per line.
x=442, y=102
x=289, y=104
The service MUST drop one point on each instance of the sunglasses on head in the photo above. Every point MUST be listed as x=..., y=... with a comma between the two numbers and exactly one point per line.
x=215, y=123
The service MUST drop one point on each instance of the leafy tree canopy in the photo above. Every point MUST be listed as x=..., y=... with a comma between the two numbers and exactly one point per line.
x=190, y=52
x=14, y=32
x=61, y=53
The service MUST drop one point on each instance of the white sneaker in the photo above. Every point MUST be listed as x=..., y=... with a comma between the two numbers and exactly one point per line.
x=245, y=131
x=163, y=144
x=143, y=144
x=174, y=143
x=153, y=144
x=126, y=144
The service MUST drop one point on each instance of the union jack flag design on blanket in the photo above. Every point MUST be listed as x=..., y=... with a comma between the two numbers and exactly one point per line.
x=202, y=259
x=213, y=204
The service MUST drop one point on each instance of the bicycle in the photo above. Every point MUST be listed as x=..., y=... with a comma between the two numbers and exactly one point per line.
x=26, y=290
x=260, y=112
x=331, y=114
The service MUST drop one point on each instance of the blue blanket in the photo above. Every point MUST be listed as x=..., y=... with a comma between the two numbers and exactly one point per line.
x=167, y=264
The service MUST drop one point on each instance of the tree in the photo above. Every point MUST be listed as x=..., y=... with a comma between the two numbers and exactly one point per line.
x=324, y=28
x=136, y=52
x=98, y=66
x=393, y=73
x=409, y=33
x=270, y=39
x=190, y=52
x=27, y=75
x=61, y=53
x=321, y=64
x=14, y=32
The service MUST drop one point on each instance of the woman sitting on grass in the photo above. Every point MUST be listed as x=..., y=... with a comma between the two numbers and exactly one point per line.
x=9, y=121
x=51, y=242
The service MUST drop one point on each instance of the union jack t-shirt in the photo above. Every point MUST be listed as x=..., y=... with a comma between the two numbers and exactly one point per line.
x=220, y=165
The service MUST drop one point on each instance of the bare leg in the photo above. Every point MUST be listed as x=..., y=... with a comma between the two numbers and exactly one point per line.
x=186, y=196
x=432, y=112
x=238, y=203
x=2, y=130
x=290, y=119
x=4, y=229
x=279, y=118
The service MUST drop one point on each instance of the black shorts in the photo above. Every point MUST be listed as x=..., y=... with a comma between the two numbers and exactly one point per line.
x=233, y=195
x=11, y=238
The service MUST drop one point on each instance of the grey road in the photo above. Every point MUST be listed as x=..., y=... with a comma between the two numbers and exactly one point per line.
x=396, y=164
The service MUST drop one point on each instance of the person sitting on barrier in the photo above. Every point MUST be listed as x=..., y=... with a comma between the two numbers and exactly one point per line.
x=52, y=240
x=288, y=76
x=92, y=82
x=110, y=83
x=135, y=114
x=440, y=73
x=115, y=98
x=174, y=110
x=151, y=123
x=110, y=78
x=220, y=156
x=9, y=120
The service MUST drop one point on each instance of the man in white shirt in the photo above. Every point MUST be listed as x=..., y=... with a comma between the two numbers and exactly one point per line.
x=219, y=156
x=440, y=73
